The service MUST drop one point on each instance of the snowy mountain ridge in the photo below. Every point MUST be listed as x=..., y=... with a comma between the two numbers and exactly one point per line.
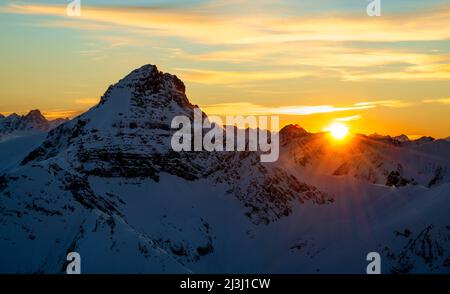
x=108, y=185
x=15, y=125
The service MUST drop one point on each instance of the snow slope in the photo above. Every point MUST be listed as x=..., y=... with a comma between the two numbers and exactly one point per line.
x=13, y=151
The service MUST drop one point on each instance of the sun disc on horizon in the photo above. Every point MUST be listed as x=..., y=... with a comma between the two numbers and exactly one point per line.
x=338, y=131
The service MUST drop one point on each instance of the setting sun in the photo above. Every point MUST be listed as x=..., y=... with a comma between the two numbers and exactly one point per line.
x=338, y=131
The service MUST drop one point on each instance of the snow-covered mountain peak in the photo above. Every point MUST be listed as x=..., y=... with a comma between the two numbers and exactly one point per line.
x=150, y=88
x=290, y=132
x=424, y=139
x=128, y=134
x=35, y=119
x=12, y=117
x=150, y=77
x=35, y=114
x=402, y=138
x=293, y=129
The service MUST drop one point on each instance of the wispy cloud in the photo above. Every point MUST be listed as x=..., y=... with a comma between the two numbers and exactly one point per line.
x=311, y=43
x=439, y=100
x=386, y=103
x=61, y=113
x=414, y=73
x=350, y=64
x=213, y=27
x=245, y=108
x=349, y=118
x=215, y=77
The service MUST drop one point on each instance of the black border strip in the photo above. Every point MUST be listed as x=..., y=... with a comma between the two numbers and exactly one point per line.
x=298, y=283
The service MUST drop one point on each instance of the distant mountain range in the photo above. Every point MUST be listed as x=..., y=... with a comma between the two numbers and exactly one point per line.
x=108, y=185
x=18, y=125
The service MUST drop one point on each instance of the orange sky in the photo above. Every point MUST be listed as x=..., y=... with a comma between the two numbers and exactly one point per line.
x=311, y=63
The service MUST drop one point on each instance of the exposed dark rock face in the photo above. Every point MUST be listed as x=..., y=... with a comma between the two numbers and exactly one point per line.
x=395, y=179
x=266, y=191
x=428, y=246
x=438, y=177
